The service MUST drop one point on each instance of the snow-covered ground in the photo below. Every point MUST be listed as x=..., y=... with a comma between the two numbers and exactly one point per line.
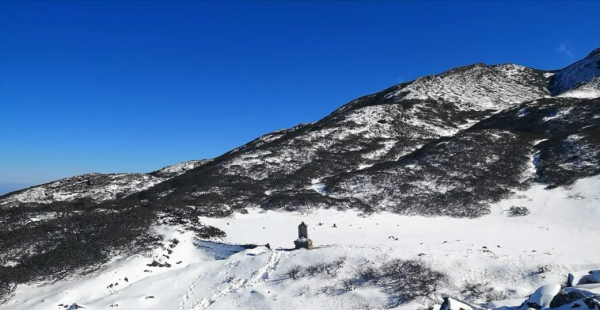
x=510, y=255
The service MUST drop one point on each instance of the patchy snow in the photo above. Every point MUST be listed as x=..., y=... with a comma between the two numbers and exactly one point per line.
x=577, y=74
x=97, y=186
x=588, y=90
x=317, y=186
x=181, y=167
x=477, y=87
x=557, y=114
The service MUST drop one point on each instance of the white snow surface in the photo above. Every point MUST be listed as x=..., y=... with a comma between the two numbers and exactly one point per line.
x=560, y=234
x=542, y=296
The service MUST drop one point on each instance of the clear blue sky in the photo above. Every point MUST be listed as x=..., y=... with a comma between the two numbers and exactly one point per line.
x=134, y=86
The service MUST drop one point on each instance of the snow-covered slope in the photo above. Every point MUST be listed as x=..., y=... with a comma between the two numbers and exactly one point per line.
x=587, y=90
x=494, y=261
x=577, y=74
x=279, y=170
x=553, y=141
x=478, y=87
x=96, y=186
x=178, y=169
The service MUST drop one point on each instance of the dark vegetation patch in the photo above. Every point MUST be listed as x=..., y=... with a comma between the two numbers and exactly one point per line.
x=60, y=239
x=571, y=132
x=518, y=211
x=480, y=291
x=402, y=280
x=459, y=176
x=328, y=269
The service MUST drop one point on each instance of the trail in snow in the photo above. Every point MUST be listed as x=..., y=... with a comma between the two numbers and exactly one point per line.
x=259, y=276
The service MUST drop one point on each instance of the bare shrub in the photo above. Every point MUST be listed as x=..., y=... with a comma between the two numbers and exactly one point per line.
x=294, y=272
x=518, y=211
x=409, y=280
x=349, y=284
x=480, y=291
x=366, y=305
x=474, y=291
x=304, y=289
x=493, y=294
x=368, y=274
x=327, y=289
x=329, y=268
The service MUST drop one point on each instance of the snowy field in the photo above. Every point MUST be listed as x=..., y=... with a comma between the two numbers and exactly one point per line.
x=511, y=256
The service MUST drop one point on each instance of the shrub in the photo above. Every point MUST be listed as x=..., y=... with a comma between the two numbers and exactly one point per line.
x=518, y=211
x=304, y=289
x=474, y=291
x=329, y=268
x=409, y=280
x=349, y=284
x=294, y=272
x=368, y=274
x=327, y=289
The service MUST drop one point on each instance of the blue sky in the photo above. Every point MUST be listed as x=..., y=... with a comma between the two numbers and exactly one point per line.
x=134, y=86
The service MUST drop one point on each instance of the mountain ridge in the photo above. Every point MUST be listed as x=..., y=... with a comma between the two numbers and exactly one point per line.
x=377, y=128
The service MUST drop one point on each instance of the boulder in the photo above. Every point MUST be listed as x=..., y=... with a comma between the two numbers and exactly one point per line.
x=579, y=278
x=542, y=297
x=565, y=298
x=454, y=304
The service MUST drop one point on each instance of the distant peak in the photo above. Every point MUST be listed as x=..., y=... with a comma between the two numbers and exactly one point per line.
x=594, y=53
x=577, y=74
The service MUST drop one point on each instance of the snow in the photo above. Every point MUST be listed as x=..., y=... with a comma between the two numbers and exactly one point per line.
x=558, y=114
x=97, y=186
x=182, y=167
x=561, y=234
x=581, y=72
x=77, y=187
x=541, y=297
x=477, y=87
x=588, y=90
x=582, y=94
x=317, y=186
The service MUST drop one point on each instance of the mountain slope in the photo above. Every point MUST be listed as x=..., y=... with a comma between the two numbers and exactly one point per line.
x=96, y=186
x=577, y=74
x=304, y=167
x=282, y=169
x=553, y=141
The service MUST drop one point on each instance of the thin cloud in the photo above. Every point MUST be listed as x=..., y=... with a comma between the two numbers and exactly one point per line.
x=565, y=48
